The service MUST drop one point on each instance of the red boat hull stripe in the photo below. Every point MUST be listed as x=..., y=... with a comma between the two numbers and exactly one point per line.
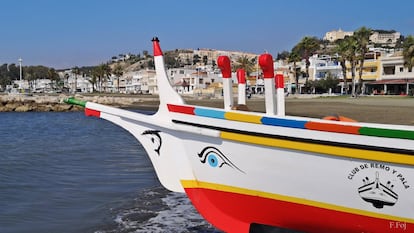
x=91, y=112
x=234, y=212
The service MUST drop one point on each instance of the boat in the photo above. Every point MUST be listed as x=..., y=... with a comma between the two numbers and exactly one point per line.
x=246, y=170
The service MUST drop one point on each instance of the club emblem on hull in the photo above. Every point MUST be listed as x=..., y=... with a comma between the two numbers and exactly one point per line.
x=377, y=193
x=215, y=158
x=155, y=139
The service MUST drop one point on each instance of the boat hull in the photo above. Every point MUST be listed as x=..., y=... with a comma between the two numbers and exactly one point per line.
x=243, y=184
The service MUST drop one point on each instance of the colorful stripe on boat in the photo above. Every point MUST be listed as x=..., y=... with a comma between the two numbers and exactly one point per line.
x=300, y=124
x=341, y=149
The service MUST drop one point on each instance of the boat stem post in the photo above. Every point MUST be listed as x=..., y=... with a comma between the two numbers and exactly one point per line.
x=280, y=94
x=241, y=78
x=223, y=63
x=266, y=63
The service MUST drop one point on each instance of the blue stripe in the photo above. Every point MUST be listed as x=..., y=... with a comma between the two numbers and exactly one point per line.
x=209, y=113
x=284, y=122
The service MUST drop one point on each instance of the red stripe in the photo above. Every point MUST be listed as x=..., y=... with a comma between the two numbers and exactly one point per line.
x=280, y=81
x=91, y=112
x=233, y=212
x=156, y=47
x=181, y=109
x=332, y=127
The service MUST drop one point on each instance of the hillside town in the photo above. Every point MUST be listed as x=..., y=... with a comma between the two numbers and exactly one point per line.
x=380, y=69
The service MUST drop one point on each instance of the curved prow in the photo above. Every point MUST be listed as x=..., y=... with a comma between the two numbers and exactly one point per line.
x=166, y=91
x=266, y=63
x=223, y=63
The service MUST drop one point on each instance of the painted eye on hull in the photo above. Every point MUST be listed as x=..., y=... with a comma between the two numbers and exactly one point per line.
x=215, y=158
x=155, y=138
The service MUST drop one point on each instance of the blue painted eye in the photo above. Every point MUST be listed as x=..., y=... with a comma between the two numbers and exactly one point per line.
x=212, y=160
x=215, y=158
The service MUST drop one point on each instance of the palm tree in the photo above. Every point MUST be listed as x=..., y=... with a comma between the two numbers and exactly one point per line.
x=294, y=57
x=351, y=56
x=102, y=72
x=118, y=72
x=362, y=37
x=342, y=49
x=245, y=63
x=408, y=52
x=306, y=47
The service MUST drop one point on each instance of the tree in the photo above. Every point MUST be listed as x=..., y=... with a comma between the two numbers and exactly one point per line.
x=101, y=72
x=118, y=72
x=351, y=57
x=53, y=76
x=245, y=63
x=196, y=59
x=283, y=55
x=408, y=52
x=341, y=48
x=295, y=57
x=306, y=47
x=362, y=37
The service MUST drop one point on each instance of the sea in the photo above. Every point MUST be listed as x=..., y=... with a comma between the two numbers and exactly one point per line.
x=65, y=172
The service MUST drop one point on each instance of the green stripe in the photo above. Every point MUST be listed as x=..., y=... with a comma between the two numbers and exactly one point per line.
x=389, y=133
x=72, y=100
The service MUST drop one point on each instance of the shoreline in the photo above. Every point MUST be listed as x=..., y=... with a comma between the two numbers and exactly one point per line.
x=375, y=109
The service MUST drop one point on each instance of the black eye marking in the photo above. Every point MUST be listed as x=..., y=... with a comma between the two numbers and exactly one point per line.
x=215, y=158
x=155, y=139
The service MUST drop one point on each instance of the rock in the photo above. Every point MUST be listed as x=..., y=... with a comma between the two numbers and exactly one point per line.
x=11, y=106
x=23, y=108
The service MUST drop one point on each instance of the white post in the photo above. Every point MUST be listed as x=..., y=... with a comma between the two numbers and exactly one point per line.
x=241, y=87
x=280, y=85
x=223, y=63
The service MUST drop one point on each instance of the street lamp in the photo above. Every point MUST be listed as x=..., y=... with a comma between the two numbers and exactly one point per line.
x=20, y=64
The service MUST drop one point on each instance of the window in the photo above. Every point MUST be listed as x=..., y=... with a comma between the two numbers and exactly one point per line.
x=401, y=69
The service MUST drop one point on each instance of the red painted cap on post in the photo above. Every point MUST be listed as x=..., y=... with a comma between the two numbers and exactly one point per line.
x=280, y=81
x=266, y=63
x=241, y=76
x=156, y=46
x=223, y=63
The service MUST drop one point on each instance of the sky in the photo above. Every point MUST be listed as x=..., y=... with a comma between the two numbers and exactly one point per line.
x=67, y=33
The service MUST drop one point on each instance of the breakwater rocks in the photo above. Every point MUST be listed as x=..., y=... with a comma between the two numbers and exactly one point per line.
x=54, y=103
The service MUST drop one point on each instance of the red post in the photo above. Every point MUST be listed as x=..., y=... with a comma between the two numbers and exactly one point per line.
x=223, y=63
x=266, y=63
x=241, y=76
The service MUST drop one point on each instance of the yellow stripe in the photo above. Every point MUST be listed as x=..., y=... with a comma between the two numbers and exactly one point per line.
x=322, y=149
x=231, y=189
x=243, y=117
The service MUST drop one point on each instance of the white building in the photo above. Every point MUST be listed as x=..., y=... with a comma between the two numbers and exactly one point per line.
x=322, y=66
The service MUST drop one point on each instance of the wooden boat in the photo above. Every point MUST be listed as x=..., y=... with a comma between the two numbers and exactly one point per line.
x=246, y=169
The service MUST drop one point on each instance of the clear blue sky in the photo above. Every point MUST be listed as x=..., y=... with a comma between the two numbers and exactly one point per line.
x=68, y=33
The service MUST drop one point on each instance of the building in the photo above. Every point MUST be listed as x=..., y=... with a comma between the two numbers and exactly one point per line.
x=385, y=38
x=336, y=35
x=394, y=77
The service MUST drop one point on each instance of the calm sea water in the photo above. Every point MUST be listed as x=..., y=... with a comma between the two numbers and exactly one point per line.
x=64, y=172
